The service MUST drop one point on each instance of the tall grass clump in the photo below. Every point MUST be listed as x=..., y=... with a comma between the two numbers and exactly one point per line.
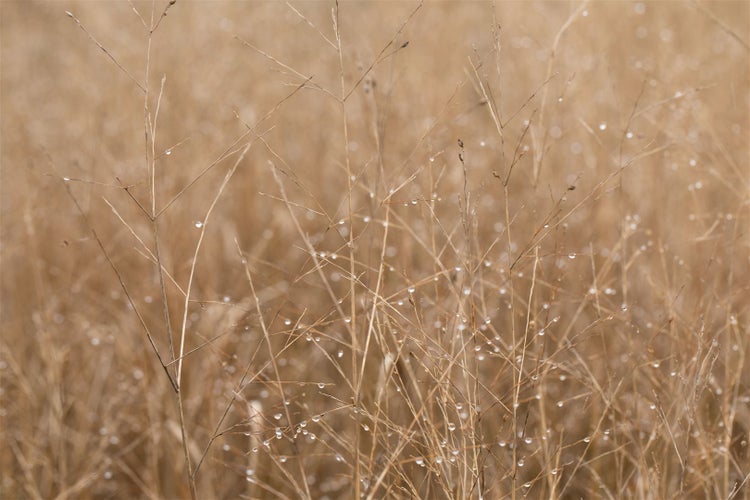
x=375, y=250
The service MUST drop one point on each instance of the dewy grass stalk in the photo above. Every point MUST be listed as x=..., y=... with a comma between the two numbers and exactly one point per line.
x=375, y=250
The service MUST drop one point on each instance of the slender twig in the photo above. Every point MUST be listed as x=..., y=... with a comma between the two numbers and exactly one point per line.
x=194, y=261
x=103, y=49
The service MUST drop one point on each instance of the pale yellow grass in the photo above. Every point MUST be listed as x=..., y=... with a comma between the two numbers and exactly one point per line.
x=386, y=250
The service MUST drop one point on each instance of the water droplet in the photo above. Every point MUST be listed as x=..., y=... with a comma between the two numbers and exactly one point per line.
x=321, y=385
x=277, y=416
x=198, y=224
x=571, y=256
x=168, y=152
x=279, y=434
x=451, y=426
x=603, y=126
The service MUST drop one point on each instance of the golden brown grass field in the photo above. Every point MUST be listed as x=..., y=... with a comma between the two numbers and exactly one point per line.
x=446, y=250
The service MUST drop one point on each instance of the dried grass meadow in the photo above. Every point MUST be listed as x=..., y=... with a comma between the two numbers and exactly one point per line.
x=377, y=250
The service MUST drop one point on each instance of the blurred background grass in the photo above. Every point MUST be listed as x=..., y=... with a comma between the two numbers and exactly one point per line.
x=628, y=249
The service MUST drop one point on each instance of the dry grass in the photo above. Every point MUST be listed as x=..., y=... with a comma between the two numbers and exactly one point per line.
x=272, y=250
